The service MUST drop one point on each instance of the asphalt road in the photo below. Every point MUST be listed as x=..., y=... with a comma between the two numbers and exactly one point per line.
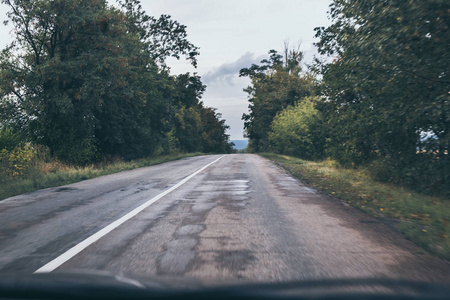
x=239, y=218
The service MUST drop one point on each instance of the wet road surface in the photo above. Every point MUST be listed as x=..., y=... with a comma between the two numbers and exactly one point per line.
x=240, y=218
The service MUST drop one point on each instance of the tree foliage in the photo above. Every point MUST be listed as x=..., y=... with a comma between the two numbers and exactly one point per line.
x=298, y=130
x=275, y=84
x=388, y=86
x=197, y=130
x=163, y=37
x=89, y=80
x=385, y=100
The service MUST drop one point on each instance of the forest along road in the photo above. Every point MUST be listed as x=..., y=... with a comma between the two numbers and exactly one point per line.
x=241, y=217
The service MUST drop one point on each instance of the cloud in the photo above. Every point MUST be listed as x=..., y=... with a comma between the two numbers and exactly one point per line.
x=229, y=71
x=225, y=91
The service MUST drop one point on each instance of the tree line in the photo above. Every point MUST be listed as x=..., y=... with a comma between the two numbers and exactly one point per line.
x=381, y=100
x=88, y=80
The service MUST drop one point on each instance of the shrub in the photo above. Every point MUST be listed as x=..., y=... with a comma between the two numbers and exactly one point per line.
x=298, y=130
x=17, y=162
x=10, y=139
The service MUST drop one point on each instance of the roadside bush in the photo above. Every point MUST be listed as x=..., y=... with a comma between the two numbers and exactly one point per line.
x=298, y=130
x=19, y=159
x=17, y=162
x=426, y=173
x=10, y=139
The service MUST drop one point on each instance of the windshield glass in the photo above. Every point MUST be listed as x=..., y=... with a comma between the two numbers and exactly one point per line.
x=225, y=141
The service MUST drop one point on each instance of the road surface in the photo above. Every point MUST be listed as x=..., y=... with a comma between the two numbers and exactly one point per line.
x=240, y=217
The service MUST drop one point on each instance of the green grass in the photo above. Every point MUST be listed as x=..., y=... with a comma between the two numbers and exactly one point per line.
x=422, y=219
x=39, y=179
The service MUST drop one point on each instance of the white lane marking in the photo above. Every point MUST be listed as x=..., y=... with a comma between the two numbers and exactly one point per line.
x=57, y=262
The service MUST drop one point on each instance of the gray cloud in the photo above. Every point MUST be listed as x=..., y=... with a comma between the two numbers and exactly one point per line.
x=229, y=71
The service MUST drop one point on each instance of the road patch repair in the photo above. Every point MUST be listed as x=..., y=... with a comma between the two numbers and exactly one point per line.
x=51, y=266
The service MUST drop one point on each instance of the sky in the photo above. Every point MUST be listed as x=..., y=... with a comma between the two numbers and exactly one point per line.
x=232, y=34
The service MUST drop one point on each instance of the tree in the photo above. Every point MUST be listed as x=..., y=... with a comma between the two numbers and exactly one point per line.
x=298, y=130
x=214, y=137
x=388, y=84
x=188, y=128
x=59, y=71
x=162, y=36
x=276, y=84
x=196, y=128
x=89, y=80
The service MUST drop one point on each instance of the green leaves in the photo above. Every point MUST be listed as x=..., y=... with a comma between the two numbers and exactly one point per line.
x=162, y=36
x=389, y=75
x=385, y=93
x=298, y=130
x=275, y=85
x=89, y=80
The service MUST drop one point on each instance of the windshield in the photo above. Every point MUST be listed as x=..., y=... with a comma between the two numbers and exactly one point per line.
x=225, y=141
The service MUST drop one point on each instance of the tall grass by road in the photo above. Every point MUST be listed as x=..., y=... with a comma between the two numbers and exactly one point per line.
x=53, y=173
x=422, y=219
